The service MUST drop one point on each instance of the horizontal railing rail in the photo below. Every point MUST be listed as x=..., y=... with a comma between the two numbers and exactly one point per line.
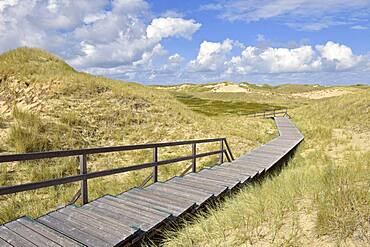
x=84, y=175
x=270, y=113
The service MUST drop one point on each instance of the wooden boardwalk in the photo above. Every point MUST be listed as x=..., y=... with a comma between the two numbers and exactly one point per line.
x=128, y=217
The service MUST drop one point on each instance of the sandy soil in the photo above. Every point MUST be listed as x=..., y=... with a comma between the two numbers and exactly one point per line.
x=322, y=93
x=227, y=88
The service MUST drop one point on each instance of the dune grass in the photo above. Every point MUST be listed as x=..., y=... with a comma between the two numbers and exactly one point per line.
x=47, y=105
x=321, y=198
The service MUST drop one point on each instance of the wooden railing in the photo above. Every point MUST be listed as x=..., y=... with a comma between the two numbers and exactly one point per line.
x=84, y=175
x=270, y=113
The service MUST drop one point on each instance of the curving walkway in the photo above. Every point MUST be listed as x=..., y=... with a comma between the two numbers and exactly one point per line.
x=132, y=215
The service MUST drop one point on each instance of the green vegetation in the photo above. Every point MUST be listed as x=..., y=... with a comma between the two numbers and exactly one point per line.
x=320, y=198
x=210, y=107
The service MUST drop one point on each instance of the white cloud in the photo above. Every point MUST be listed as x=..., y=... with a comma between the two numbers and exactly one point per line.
x=176, y=27
x=340, y=55
x=90, y=34
x=300, y=14
x=7, y=3
x=175, y=58
x=217, y=58
x=359, y=27
x=211, y=56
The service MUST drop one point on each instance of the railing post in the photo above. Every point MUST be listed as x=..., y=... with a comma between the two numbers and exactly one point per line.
x=155, y=168
x=264, y=114
x=274, y=113
x=83, y=170
x=194, y=160
x=222, y=152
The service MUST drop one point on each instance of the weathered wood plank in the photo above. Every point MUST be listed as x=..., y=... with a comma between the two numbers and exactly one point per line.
x=103, y=217
x=139, y=207
x=191, y=182
x=162, y=201
x=48, y=232
x=13, y=238
x=114, y=230
x=181, y=191
x=156, y=206
x=151, y=219
x=29, y=234
x=125, y=218
x=4, y=243
x=75, y=232
x=205, y=179
x=88, y=227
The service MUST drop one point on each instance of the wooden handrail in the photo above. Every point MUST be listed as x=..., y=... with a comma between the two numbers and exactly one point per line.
x=84, y=175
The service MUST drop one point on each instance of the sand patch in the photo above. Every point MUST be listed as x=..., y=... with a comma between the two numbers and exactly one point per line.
x=227, y=88
x=322, y=93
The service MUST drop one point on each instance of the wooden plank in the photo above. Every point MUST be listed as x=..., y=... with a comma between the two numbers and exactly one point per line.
x=3, y=243
x=173, y=194
x=192, y=182
x=192, y=190
x=114, y=230
x=224, y=170
x=159, y=190
x=48, y=232
x=235, y=170
x=139, y=206
x=249, y=165
x=165, y=202
x=212, y=174
x=247, y=168
x=218, y=177
x=179, y=202
x=13, y=238
x=126, y=218
x=29, y=234
x=153, y=205
x=179, y=191
x=227, y=173
x=223, y=176
x=205, y=179
x=150, y=219
x=123, y=219
x=92, y=229
x=177, y=211
x=72, y=231
x=113, y=221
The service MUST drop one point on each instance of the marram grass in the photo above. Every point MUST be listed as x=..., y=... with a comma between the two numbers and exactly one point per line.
x=321, y=198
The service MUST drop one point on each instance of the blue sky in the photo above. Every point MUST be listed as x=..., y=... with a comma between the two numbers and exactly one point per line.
x=167, y=42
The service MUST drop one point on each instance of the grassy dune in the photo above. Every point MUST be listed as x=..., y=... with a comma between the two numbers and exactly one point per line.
x=47, y=105
x=322, y=198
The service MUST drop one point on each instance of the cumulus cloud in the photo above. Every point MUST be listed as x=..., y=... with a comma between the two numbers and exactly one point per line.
x=98, y=34
x=166, y=27
x=300, y=14
x=211, y=56
x=328, y=57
